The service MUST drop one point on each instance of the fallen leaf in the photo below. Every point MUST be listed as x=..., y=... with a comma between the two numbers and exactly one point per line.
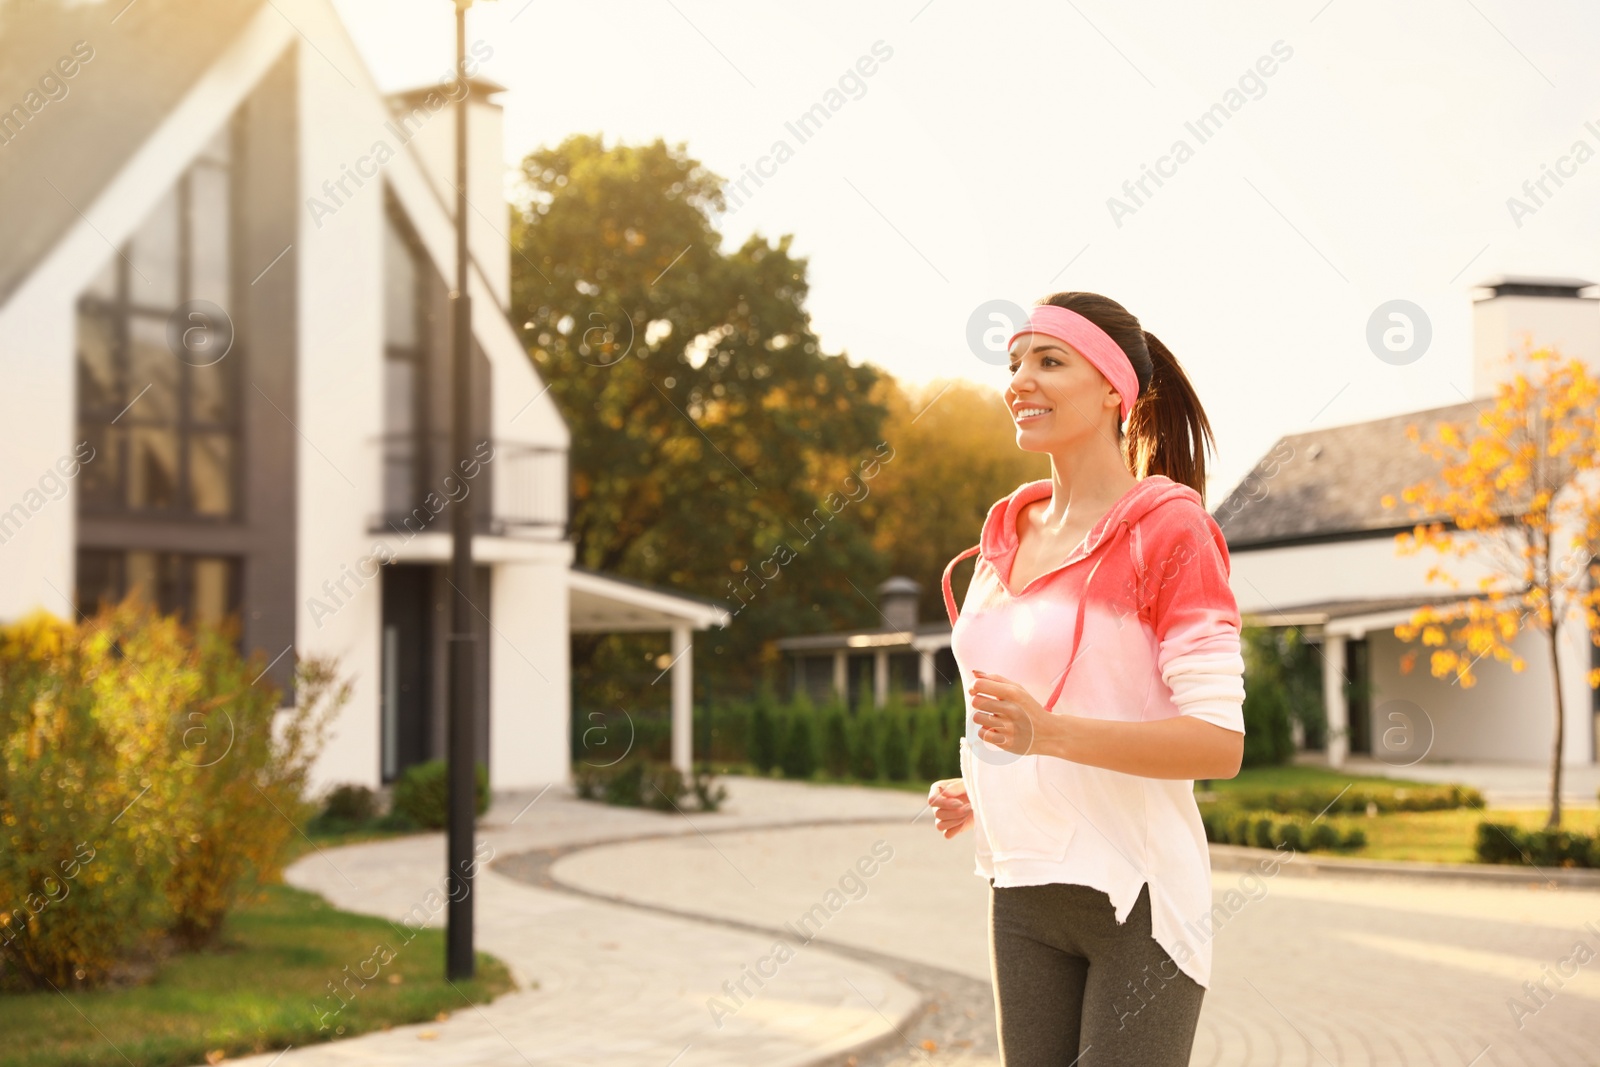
x=443, y=1016
x=428, y=1035
x=394, y=979
x=216, y=1055
x=930, y=1045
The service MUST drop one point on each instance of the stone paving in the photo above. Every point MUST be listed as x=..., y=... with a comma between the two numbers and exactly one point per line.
x=630, y=940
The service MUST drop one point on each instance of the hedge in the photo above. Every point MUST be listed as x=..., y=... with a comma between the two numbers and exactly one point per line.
x=1505, y=843
x=1269, y=829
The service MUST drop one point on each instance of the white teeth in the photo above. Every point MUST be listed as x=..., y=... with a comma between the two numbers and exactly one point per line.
x=1025, y=412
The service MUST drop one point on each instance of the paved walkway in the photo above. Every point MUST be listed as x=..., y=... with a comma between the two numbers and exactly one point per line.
x=609, y=984
x=630, y=941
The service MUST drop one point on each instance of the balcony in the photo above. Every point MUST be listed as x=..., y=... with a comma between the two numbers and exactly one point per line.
x=517, y=489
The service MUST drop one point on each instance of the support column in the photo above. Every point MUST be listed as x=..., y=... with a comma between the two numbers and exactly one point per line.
x=925, y=674
x=841, y=676
x=880, y=677
x=1333, y=679
x=682, y=700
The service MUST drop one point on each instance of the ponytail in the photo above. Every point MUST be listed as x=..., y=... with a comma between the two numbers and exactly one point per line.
x=1167, y=428
x=1168, y=431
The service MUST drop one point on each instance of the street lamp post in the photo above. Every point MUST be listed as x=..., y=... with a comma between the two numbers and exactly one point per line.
x=463, y=645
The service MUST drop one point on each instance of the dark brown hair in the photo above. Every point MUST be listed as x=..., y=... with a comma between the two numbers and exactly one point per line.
x=1167, y=428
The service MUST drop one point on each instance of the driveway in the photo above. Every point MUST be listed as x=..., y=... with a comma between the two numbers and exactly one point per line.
x=652, y=939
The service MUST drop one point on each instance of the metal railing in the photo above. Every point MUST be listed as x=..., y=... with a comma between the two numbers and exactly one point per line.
x=517, y=489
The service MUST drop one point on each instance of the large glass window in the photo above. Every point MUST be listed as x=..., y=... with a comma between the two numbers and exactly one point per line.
x=198, y=588
x=404, y=367
x=158, y=373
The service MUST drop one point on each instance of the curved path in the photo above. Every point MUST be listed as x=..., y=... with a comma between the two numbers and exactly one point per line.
x=653, y=939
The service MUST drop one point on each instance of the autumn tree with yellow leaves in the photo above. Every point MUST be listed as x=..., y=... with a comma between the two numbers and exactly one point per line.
x=1517, y=495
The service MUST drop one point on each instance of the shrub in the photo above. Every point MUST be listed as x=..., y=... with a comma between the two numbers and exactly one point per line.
x=87, y=847
x=1506, y=843
x=145, y=783
x=640, y=782
x=763, y=734
x=930, y=748
x=350, y=803
x=239, y=799
x=836, y=740
x=799, y=744
x=422, y=793
x=1275, y=684
x=866, y=746
x=1270, y=829
x=706, y=794
x=896, y=744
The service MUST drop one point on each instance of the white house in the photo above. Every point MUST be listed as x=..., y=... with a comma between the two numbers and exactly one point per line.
x=225, y=260
x=1312, y=546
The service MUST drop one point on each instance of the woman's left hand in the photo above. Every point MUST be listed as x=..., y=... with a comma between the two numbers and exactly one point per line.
x=1007, y=715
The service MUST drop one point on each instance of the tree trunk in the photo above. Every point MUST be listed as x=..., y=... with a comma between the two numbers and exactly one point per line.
x=1554, y=820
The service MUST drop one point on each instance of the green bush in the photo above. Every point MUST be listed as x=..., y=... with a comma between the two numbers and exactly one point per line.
x=836, y=740
x=422, y=793
x=931, y=758
x=1270, y=829
x=638, y=782
x=896, y=743
x=350, y=803
x=866, y=745
x=146, y=782
x=250, y=773
x=764, y=736
x=1507, y=843
x=799, y=744
x=1276, y=694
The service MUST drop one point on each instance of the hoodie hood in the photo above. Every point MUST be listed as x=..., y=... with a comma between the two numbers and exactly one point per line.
x=999, y=541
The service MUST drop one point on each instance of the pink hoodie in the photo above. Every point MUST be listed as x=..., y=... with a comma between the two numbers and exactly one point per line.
x=1150, y=630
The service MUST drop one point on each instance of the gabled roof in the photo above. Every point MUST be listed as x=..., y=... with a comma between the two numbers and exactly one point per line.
x=143, y=58
x=1328, y=484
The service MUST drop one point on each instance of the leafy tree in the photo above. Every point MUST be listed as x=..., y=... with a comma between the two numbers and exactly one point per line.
x=955, y=454
x=1521, y=497
x=708, y=427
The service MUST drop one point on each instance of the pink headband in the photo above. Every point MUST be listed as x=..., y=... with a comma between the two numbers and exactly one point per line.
x=1097, y=347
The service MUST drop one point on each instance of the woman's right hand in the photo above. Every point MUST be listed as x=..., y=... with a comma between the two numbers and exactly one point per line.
x=952, y=811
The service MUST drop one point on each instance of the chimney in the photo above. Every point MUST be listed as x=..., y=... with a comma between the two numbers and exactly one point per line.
x=897, y=599
x=426, y=118
x=1549, y=312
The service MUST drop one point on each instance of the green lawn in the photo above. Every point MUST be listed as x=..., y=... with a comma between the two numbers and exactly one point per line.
x=265, y=988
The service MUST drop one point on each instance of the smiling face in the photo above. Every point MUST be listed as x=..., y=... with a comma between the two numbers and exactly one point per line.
x=1055, y=395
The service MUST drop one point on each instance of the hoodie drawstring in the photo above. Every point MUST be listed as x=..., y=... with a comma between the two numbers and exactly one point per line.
x=950, y=601
x=1083, y=604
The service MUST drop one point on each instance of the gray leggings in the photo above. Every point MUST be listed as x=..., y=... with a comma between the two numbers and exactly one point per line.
x=1074, y=988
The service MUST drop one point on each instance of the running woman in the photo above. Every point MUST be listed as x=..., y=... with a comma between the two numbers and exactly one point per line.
x=1098, y=645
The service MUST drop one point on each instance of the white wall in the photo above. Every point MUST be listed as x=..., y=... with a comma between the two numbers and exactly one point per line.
x=339, y=391
x=1570, y=325
x=433, y=137
x=1505, y=716
x=530, y=676
x=1279, y=578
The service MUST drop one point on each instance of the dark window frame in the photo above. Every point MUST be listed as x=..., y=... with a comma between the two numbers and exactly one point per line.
x=119, y=313
x=183, y=599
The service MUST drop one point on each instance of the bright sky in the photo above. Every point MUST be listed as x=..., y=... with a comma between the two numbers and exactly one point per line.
x=976, y=163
